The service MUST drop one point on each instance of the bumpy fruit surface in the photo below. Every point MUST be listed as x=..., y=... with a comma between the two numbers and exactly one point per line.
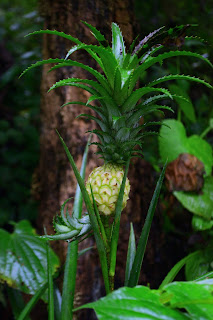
x=105, y=182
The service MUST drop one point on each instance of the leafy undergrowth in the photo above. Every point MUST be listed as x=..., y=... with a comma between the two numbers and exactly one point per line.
x=176, y=301
x=23, y=258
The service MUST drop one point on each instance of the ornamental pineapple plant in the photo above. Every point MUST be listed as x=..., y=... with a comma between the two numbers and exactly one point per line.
x=120, y=105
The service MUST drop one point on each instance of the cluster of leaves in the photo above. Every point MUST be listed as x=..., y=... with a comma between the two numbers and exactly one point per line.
x=19, y=110
x=175, y=301
x=121, y=106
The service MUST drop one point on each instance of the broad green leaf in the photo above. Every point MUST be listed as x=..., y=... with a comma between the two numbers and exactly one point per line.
x=194, y=297
x=173, y=141
x=23, y=259
x=139, y=303
x=118, y=47
x=199, y=264
x=202, y=150
x=185, y=105
x=199, y=204
x=199, y=224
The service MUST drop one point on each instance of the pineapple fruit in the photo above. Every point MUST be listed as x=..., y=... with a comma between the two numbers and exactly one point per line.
x=119, y=105
x=105, y=182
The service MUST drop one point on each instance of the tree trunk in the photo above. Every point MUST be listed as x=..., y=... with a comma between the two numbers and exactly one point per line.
x=56, y=177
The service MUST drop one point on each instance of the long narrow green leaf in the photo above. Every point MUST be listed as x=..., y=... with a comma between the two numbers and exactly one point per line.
x=93, y=219
x=41, y=63
x=95, y=73
x=72, y=253
x=94, y=88
x=16, y=302
x=57, y=302
x=26, y=311
x=131, y=101
x=103, y=233
x=136, y=267
x=144, y=110
x=179, y=77
x=152, y=60
x=130, y=254
x=50, y=286
x=97, y=34
x=56, y=33
x=118, y=47
x=174, y=271
x=116, y=224
x=106, y=59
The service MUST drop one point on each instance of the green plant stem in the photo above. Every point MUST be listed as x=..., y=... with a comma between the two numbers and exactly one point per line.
x=69, y=281
x=205, y=132
x=179, y=114
x=93, y=219
x=101, y=226
x=50, y=286
x=116, y=226
x=70, y=271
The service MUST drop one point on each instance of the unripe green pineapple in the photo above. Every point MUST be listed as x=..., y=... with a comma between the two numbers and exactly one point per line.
x=120, y=105
x=105, y=182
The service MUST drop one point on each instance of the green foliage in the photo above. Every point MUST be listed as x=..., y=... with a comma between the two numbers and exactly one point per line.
x=199, y=264
x=23, y=262
x=173, y=141
x=199, y=204
x=168, y=303
x=115, y=90
x=19, y=110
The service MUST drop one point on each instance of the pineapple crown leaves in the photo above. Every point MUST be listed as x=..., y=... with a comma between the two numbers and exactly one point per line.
x=120, y=105
x=68, y=227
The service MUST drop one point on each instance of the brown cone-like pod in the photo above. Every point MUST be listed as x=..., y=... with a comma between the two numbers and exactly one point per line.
x=185, y=174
